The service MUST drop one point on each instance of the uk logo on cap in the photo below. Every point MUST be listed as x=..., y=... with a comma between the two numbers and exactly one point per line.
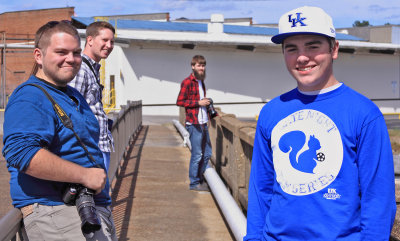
x=297, y=20
x=304, y=20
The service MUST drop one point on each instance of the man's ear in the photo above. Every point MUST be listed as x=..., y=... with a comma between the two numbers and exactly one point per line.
x=38, y=55
x=335, y=50
x=89, y=41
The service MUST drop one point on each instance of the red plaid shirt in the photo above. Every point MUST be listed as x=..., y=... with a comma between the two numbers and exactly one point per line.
x=189, y=97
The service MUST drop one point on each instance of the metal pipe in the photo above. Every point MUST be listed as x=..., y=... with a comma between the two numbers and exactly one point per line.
x=10, y=224
x=184, y=133
x=232, y=213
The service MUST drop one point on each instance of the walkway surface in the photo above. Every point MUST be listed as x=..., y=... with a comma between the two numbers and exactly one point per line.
x=151, y=197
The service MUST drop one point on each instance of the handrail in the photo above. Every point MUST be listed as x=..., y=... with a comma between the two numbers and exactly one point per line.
x=125, y=127
x=11, y=224
x=232, y=213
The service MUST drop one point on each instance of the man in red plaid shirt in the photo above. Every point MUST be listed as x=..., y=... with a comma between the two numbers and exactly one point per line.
x=192, y=96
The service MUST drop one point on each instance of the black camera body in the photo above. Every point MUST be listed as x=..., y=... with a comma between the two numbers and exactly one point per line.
x=211, y=110
x=82, y=198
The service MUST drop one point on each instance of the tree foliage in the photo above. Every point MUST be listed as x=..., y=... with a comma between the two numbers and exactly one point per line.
x=361, y=24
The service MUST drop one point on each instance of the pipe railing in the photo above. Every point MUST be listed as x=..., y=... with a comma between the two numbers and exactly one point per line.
x=125, y=128
x=126, y=125
x=232, y=213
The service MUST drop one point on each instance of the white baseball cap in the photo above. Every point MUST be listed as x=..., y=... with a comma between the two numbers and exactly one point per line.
x=304, y=20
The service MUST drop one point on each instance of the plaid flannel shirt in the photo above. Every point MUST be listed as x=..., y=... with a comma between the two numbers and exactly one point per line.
x=88, y=84
x=189, y=98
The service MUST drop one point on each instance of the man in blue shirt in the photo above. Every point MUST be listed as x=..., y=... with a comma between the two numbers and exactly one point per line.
x=44, y=156
x=322, y=166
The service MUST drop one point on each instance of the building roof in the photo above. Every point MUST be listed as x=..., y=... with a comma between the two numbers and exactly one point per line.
x=37, y=10
x=195, y=27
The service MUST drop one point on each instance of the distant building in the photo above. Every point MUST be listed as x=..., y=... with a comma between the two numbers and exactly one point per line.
x=231, y=21
x=163, y=17
x=244, y=68
x=377, y=34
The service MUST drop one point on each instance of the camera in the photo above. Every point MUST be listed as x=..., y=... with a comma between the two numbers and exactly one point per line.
x=82, y=197
x=211, y=110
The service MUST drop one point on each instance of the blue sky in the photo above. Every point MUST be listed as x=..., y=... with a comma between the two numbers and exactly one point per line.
x=343, y=12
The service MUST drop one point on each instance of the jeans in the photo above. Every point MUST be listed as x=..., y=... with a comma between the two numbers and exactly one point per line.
x=106, y=157
x=201, y=152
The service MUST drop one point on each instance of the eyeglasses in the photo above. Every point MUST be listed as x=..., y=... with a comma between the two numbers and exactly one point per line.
x=47, y=26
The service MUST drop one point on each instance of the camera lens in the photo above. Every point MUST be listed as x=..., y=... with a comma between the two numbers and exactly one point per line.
x=211, y=110
x=87, y=211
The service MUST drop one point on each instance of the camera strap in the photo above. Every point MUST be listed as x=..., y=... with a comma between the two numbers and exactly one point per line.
x=94, y=72
x=66, y=121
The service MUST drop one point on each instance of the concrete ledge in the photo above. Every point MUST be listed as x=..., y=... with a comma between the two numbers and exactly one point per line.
x=230, y=123
x=247, y=134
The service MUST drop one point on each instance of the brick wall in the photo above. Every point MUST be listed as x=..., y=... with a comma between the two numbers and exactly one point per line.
x=19, y=27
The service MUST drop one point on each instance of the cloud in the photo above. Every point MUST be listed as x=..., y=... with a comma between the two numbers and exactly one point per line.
x=393, y=18
x=226, y=7
x=177, y=5
x=379, y=9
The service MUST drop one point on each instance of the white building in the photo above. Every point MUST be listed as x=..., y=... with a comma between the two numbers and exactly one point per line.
x=244, y=68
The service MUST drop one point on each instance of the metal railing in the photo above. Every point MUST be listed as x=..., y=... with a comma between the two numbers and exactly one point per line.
x=127, y=124
x=232, y=213
x=125, y=128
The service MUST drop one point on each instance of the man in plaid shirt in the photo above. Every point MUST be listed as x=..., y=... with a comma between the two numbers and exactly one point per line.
x=99, y=44
x=192, y=96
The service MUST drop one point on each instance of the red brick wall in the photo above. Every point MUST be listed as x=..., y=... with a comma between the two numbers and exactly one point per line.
x=21, y=27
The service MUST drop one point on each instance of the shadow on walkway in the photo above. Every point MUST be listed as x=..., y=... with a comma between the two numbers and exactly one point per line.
x=151, y=196
x=124, y=188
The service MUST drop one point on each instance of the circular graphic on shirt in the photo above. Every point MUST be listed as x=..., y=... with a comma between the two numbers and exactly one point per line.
x=307, y=152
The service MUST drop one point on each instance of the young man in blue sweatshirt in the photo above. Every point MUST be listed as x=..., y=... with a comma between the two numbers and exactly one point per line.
x=44, y=156
x=322, y=166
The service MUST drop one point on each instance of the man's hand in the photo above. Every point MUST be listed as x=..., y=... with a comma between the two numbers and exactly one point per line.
x=95, y=179
x=204, y=102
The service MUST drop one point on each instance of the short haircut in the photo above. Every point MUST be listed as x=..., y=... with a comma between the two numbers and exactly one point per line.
x=332, y=42
x=94, y=28
x=44, y=33
x=198, y=59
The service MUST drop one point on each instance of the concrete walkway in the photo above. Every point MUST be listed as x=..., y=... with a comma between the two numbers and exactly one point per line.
x=151, y=198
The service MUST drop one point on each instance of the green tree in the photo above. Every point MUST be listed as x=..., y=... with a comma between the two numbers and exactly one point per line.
x=361, y=24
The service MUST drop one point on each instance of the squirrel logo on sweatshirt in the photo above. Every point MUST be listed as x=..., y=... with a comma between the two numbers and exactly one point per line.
x=307, y=152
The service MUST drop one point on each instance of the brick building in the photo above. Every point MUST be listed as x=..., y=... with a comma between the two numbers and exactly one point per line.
x=20, y=27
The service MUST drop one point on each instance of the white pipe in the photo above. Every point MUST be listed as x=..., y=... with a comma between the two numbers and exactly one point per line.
x=184, y=133
x=232, y=213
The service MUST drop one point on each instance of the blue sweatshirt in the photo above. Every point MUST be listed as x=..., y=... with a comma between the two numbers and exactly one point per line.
x=30, y=123
x=322, y=169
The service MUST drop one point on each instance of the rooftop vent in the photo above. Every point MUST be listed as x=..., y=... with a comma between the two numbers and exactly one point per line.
x=216, y=24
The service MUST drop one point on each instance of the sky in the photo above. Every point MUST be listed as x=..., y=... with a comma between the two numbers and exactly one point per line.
x=343, y=12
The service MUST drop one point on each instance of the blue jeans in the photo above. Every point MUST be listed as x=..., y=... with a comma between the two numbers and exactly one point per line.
x=201, y=152
x=106, y=157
